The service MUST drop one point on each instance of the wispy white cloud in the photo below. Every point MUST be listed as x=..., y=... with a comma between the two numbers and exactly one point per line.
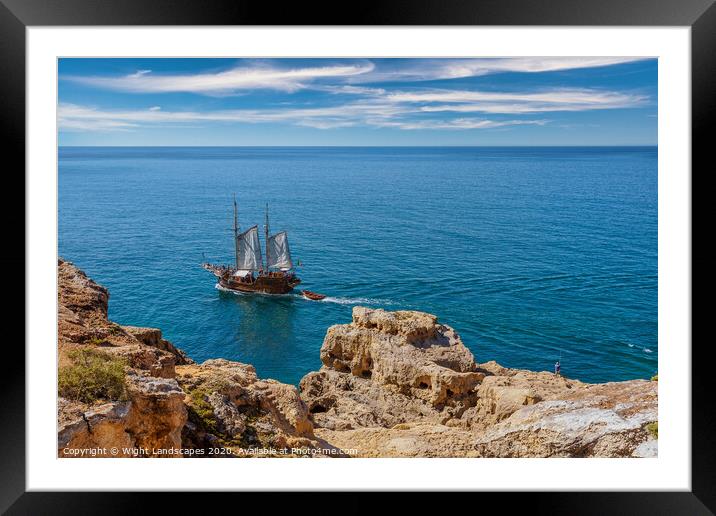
x=266, y=76
x=445, y=69
x=459, y=68
x=218, y=83
x=409, y=110
x=73, y=117
x=474, y=101
x=349, y=89
x=515, y=103
x=457, y=123
x=78, y=124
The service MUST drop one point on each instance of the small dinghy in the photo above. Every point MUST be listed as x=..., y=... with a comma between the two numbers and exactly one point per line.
x=313, y=296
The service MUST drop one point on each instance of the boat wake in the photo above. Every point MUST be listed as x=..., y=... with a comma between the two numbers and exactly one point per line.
x=336, y=300
x=356, y=301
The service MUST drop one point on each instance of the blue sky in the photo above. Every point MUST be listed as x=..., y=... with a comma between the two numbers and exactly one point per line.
x=500, y=101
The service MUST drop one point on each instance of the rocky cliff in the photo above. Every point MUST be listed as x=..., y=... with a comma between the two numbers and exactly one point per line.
x=401, y=384
x=393, y=384
x=167, y=405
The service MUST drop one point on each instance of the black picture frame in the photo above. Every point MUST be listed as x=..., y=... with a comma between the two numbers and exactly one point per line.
x=17, y=15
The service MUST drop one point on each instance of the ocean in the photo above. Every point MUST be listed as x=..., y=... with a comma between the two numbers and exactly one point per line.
x=532, y=254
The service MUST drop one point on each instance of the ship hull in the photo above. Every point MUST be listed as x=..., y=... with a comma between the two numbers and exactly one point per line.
x=262, y=284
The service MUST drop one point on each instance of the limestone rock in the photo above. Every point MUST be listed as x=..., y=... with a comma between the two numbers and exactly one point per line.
x=504, y=391
x=230, y=406
x=152, y=360
x=153, y=337
x=157, y=413
x=289, y=412
x=341, y=401
x=79, y=294
x=405, y=352
x=600, y=420
x=404, y=440
x=230, y=421
x=101, y=427
x=605, y=420
x=152, y=419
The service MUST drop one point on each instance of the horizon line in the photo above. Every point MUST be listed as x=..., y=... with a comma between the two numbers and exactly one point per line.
x=359, y=146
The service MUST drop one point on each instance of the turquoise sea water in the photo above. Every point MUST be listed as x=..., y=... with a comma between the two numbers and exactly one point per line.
x=529, y=253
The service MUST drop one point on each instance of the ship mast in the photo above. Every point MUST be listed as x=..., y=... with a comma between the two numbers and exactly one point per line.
x=236, y=232
x=267, y=238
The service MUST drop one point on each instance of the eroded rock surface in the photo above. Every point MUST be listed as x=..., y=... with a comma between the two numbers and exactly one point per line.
x=400, y=384
x=405, y=358
x=229, y=405
x=151, y=419
x=170, y=402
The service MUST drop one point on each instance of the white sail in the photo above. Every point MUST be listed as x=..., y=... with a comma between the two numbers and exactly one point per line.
x=279, y=255
x=249, y=250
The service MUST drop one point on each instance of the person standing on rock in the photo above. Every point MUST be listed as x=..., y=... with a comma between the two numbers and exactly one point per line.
x=557, y=368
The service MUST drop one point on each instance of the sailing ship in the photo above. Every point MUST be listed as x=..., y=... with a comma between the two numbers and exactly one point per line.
x=250, y=273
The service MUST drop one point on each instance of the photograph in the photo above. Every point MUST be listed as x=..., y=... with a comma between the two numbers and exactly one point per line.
x=357, y=257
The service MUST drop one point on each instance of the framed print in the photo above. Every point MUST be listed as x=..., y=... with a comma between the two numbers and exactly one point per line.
x=443, y=248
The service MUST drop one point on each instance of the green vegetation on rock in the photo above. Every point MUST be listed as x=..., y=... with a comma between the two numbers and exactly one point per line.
x=96, y=341
x=93, y=375
x=201, y=413
x=115, y=329
x=653, y=429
